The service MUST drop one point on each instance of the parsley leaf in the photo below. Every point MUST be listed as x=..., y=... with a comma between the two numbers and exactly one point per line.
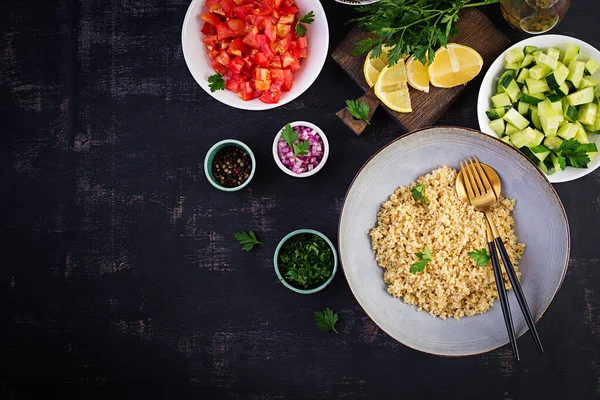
x=574, y=153
x=326, y=320
x=290, y=136
x=247, y=240
x=481, y=257
x=358, y=110
x=216, y=82
x=424, y=257
x=307, y=19
x=418, y=193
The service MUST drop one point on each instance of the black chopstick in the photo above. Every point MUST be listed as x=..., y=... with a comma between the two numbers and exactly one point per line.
x=503, y=299
x=512, y=276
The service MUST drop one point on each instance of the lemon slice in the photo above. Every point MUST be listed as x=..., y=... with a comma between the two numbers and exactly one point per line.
x=391, y=88
x=417, y=75
x=454, y=65
x=373, y=66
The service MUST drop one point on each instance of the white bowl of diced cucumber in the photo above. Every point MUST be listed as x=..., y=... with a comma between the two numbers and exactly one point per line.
x=542, y=96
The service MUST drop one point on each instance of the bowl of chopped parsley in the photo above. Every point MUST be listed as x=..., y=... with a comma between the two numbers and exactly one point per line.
x=305, y=261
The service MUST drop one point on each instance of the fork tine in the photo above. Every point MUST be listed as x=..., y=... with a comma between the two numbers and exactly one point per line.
x=486, y=182
x=465, y=178
x=469, y=178
x=471, y=167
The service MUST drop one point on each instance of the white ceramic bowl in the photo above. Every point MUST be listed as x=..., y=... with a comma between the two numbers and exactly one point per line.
x=198, y=62
x=488, y=89
x=314, y=170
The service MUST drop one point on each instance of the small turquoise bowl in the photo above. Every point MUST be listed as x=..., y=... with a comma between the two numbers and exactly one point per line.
x=282, y=280
x=210, y=156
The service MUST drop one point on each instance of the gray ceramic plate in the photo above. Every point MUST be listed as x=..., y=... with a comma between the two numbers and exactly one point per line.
x=540, y=223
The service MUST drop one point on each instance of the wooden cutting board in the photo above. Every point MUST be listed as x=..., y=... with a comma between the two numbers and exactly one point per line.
x=475, y=31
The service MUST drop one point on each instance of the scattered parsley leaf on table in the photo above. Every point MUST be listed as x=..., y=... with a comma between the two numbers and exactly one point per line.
x=424, y=257
x=358, y=110
x=481, y=257
x=247, y=240
x=307, y=19
x=326, y=320
x=418, y=193
x=216, y=82
x=290, y=136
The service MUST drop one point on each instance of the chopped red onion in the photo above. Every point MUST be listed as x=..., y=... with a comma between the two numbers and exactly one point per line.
x=302, y=163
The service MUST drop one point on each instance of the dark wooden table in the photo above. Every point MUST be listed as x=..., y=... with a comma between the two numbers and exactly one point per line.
x=120, y=274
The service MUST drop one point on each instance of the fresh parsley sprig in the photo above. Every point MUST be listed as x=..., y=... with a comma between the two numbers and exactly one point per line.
x=416, y=27
x=216, y=82
x=574, y=153
x=481, y=257
x=247, y=240
x=424, y=257
x=358, y=110
x=418, y=193
x=290, y=136
x=326, y=320
x=307, y=19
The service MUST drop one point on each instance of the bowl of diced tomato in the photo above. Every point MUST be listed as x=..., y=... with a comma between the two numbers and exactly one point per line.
x=255, y=54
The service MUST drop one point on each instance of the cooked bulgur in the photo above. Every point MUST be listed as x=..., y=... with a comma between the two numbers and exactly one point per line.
x=451, y=285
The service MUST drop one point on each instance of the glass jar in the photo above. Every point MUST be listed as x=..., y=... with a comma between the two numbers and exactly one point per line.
x=534, y=16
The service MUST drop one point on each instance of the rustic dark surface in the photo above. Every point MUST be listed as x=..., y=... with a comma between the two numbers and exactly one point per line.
x=121, y=277
x=428, y=107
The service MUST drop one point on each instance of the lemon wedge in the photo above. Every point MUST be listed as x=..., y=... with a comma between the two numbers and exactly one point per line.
x=391, y=88
x=373, y=66
x=454, y=65
x=417, y=75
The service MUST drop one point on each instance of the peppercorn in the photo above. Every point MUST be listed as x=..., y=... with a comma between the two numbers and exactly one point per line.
x=231, y=166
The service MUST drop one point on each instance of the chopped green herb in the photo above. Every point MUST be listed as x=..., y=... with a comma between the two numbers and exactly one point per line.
x=247, y=240
x=358, y=110
x=574, y=153
x=307, y=19
x=424, y=257
x=326, y=320
x=290, y=136
x=418, y=193
x=305, y=261
x=216, y=82
x=481, y=257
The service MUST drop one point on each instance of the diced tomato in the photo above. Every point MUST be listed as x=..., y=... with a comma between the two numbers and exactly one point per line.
x=210, y=41
x=233, y=84
x=281, y=46
x=227, y=6
x=289, y=9
x=263, y=85
x=243, y=11
x=261, y=9
x=237, y=47
x=251, y=39
x=208, y=29
x=299, y=53
x=211, y=18
x=277, y=75
x=223, y=32
x=287, y=60
x=288, y=80
x=261, y=60
x=262, y=74
x=270, y=30
x=286, y=19
x=295, y=67
x=275, y=61
x=283, y=29
x=272, y=95
x=302, y=43
x=248, y=63
x=236, y=64
x=218, y=67
x=265, y=45
x=236, y=25
x=223, y=58
x=247, y=92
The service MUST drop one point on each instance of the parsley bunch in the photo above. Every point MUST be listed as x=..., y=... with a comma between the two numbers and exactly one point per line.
x=305, y=261
x=416, y=27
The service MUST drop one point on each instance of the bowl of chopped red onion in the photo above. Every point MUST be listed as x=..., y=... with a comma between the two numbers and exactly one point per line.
x=300, y=149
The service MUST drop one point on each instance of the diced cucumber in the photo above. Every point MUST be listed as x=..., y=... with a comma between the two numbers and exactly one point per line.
x=523, y=108
x=515, y=55
x=591, y=66
x=582, y=96
x=552, y=142
x=558, y=77
x=556, y=103
x=546, y=60
x=595, y=129
x=529, y=99
x=513, y=91
x=495, y=113
x=541, y=152
x=581, y=136
x=562, y=91
x=550, y=125
x=570, y=112
x=530, y=49
x=567, y=131
x=501, y=100
x=497, y=126
x=537, y=138
x=524, y=74
x=535, y=118
x=510, y=129
x=527, y=61
x=587, y=113
x=506, y=139
x=505, y=80
x=521, y=138
x=539, y=71
x=571, y=53
x=555, y=163
x=546, y=110
x=576, y=69
x=543, y=167
x=513, y=66
x=513, y=117
x=535, y=85
x=553, y=52
x=588, y=81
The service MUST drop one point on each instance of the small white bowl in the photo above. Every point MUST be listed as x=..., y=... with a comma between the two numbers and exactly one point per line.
x=314, y=170
x=488, y=88
x=198, y=62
